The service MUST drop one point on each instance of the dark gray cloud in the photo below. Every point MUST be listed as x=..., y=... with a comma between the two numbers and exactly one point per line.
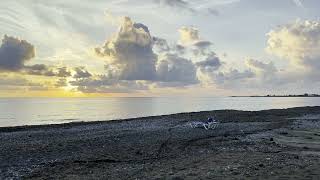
x=180, y=49
x=81, y=72
x=202, y=49
x=62, y=82
x=44, y=70
x=39, y=69
x=179, y=4
x=14, y=53
x=160, y=45
x=203, y=44
x=63, y=72
x=211, y=63
x=173, y=68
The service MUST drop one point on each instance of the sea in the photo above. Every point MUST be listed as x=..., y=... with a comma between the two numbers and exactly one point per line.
x=39, y=111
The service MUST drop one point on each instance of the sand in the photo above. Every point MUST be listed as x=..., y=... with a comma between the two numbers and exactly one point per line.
x=270, y=144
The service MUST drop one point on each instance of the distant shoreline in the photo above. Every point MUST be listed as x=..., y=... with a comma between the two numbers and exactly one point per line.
x=275, y=96
x=303, y=95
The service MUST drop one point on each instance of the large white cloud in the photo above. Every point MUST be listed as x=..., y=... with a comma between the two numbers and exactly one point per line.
x=129, y=52
x=299, y=42
x=133, y=55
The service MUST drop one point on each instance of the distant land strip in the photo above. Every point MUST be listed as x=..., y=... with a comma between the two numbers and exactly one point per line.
x=290, y=95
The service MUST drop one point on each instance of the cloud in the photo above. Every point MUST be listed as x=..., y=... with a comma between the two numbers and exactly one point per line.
x=234, y=75
x=14, y=53
x=256, y=74
x=299, y=42
x=266, y=73
x=63, y=72
x=38, y=69
x=136, y=59
x=189, y=35
x=44, y=70
x=202, y=44
x=104, y=84
x=190, y=38
x=160, y=45
x=298, y=3
x=202, y=48
x=232, y=79
x=172, y=68
x=211, y=63
x=178, y=64
x=212, y=71
x=213, y=11
x=134, y=54
x=258, y=66
x=190, y=7
x=81, y=72
x=62, y=82
x=15, y=83
x=179, y=4
x=129, y=52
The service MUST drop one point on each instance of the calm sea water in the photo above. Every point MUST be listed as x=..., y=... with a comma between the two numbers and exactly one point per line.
x=34, y=111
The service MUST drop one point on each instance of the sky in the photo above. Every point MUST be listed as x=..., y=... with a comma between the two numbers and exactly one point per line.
x=102, y=48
